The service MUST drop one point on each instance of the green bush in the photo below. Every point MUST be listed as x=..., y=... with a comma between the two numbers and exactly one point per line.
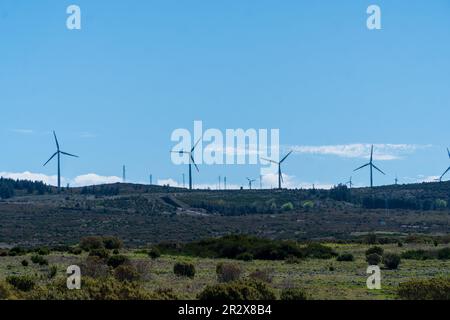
x=418, y=255
x=443, y=254
x=287, y=206
x=90, y=243
x=242, y=290
x=184, y=269
x=391, y=260
x=43, y=251
x=117, y=260
x=431, y=289
x=4, y=252
x=52, y=272
x=75, y=250
x=126, y=273
x=16, y=251
x=291, y=294
x=39, y=260
x=22, y=283
x=319, y=251
x=102, y=253
x=112, y=243
x=227, y=272
x=345, y=257
x=154, y=253
x=24, y=263
x=378, y=250
x=373, y=259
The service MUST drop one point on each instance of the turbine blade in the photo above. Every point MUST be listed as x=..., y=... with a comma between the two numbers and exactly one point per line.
x=362, y=167
x=268, y=160
x=286, y=156
x=448, y=151
x=195, y=145
x=50, y=158
x=56, y=140
x=69, y=154
x=371, y=154
x=378, y=169
x=444, y=173
x=192, y=158
x=281, y=176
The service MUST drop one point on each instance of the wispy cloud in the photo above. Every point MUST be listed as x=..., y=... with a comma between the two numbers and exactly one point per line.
x=23, y=131
x=383, y=152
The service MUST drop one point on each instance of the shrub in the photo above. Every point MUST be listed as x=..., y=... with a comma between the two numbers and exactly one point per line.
x=154, y=253
x=126, y=273
x=4, y=252
x=52, y=272
x=373, y=259
x=43, y=251
x=39, y=260
x=227, y=272
x=94, y=267
x=287, y=206
x=418, y=255
x=242, y=290
x=378, y=250
x=184, y=269
x=102, y=253
x=371, y=238
x=399, y=244
x=319, y=251
x=5, y=291
x=24, y=263
x=293, y=294
x=164, y=294
x=391, y=260
x=90, y=243
x=22, y=283
x=345, y=257
x=75, y=250
x=292, y=260
x=443, y=254
x=431, y=289
x=112, y=243
x=16, y=251
x=245, y=256
x=117, y=260
x=263, y=275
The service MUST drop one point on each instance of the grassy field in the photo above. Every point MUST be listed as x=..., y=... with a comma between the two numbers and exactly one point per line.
x=321, y=279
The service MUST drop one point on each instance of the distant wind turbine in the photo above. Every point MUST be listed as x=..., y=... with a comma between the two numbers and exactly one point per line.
x=371, y=165
x=58, y=154
x=448, y=169
x=349, y=183
x=250, y=181
x=280, y=175
x=191, y=161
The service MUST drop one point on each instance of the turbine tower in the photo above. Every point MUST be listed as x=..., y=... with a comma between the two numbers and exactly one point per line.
x=124, y=176
x=372, y=166
x=448, y=169
x=58, y=153
x=349, y=183
x=191, y=161
x=280, y=175
x=250, y=181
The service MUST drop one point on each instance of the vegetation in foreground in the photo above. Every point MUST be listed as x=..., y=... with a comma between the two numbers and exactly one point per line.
x=294, y=271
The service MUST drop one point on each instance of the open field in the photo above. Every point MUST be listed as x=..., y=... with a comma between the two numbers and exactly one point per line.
x=345, y=280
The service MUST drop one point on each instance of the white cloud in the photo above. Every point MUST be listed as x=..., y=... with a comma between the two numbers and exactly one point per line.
x=79, y=181
x=359, y=150
x=94, y=179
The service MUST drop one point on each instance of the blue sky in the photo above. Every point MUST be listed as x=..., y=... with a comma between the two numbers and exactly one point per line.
x=115, y=90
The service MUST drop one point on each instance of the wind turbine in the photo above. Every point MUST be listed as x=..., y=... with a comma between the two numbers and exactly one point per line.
x=448, y=169
x=396, y=180
x=191, y=161
x=250, y=181
x=349, y=183
x=371, y=165
x=280, y=175
x=58, y=154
